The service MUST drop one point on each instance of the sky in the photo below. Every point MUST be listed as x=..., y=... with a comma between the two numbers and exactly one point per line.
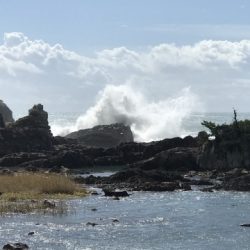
x=83, y=55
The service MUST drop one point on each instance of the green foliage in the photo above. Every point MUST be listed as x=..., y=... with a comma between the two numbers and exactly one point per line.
x=211, y=126
x=231, y=131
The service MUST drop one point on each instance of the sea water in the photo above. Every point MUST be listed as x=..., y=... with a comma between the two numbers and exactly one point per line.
x=146, y=220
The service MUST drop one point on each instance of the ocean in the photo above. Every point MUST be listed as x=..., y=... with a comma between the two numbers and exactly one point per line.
x=188, y=220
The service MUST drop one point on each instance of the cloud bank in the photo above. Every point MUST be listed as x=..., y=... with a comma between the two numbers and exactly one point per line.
x=38, y=71
x=149, y=79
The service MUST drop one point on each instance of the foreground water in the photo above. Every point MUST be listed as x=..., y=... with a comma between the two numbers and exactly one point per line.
x=147, y=220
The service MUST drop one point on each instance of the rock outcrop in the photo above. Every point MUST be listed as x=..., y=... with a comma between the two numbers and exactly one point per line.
x=103, y=136
x=28, y=134
x=6, y=113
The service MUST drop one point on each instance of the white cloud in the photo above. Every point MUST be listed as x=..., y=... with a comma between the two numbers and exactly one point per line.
x=34, y=71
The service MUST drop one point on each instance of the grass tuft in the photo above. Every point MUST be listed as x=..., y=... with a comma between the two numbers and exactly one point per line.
x=23, y=193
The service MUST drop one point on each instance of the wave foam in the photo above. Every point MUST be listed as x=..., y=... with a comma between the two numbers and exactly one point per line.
x=148, y=120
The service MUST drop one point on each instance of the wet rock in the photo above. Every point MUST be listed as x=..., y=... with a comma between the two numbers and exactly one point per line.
x=108, y=192
x=31, y=233
x=245, y=225
x=94, y=209
x=94, y=193
x=241, y=183
x=15, y=246
x=91, y=224
x=159, y=187
x=185, y=186
x=49, y=204
x=103, y=136
x=115, y=221
x=208, y=189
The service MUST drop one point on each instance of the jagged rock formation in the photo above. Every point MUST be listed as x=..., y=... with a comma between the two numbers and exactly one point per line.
x=29, y=134
x=6, y=113
x=103, y=136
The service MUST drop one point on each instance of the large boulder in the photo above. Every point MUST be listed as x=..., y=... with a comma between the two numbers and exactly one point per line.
x=103, y=136
x=6, y=112
x=29, y=134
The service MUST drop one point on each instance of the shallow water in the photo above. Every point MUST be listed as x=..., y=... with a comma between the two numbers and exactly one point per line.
x=147, y=220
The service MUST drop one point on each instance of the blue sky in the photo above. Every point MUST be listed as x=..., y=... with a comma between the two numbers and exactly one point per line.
x=90, y=25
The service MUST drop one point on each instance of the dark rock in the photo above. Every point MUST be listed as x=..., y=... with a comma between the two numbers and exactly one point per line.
x=16, y=159
x=153, y=148
x=2, y=123
x=94, y=193
x=6, y=113
x=91, y=224
x=28, y=134
x=109, y=161
x=241, y=183
x=159, y=187
x=59, y=170
x=201, y=181
x=185, y=186
x=208, y=189
x=70, y=159
x=115, y=221
x=49, y=204
x=115, y=193
x=15, y=246
x=138, y=175
x=245, y=225
x=179, y=159
x=103, y=136
x=6, y=171
x=31, y=233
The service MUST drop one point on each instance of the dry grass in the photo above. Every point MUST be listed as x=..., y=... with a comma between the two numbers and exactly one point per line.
x=25, y=193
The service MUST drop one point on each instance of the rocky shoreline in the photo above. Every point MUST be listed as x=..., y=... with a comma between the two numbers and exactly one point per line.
x=167, y=165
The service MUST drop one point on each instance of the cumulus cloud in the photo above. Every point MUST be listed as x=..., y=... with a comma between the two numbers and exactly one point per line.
x=35, y=71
